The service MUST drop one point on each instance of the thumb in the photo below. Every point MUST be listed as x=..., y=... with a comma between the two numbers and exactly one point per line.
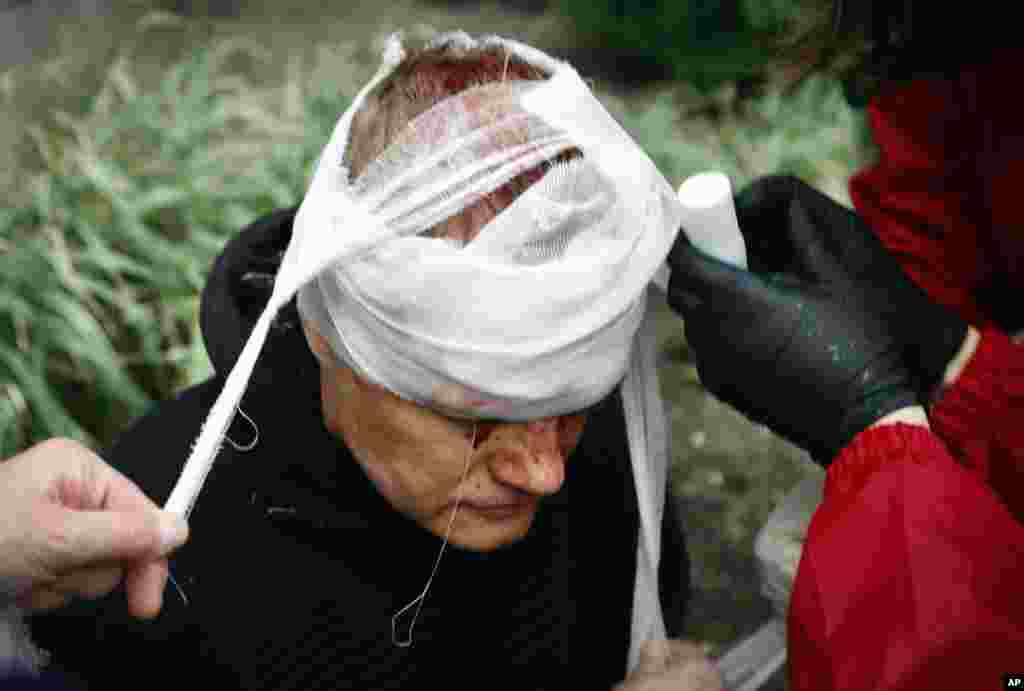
x=762, y=209
x=89, y=537
x=829, y=238
x=709, y=280
x=654, y=655
x=810, y=235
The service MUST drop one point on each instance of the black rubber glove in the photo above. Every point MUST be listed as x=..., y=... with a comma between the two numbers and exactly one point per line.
x=777, y=212
x=804, y=355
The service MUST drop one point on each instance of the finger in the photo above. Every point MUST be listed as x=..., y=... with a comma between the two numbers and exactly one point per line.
x=680, y=651
x=144, y=586
x=812, y=252
x=839, y=227
x=123, y=495
x=695, y=272
x=119, y=493
x=711, y=280
x=653, y=657
x=766, y=196
x=762, y=210
x=43, y=600
x=120, y=522
x=860, y=250
x=86, y=537
x=790, y=226
x=90, y=583
x=702, y=676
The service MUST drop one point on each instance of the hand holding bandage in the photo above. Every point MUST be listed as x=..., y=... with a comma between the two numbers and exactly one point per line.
x=75, y=527
x=798, y=343
x=778, y=211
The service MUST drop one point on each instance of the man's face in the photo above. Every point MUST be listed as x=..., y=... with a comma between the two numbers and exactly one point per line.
x=417, y=457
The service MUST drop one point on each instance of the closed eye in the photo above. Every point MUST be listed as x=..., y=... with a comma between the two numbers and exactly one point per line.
x=570, y=427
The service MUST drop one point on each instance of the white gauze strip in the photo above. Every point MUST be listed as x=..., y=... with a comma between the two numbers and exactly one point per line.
x=306, y=256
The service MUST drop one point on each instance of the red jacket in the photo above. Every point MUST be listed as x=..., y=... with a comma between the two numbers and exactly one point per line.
x=945, y=194
x=912, y=574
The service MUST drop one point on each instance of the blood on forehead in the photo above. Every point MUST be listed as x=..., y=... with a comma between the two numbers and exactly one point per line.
x=459, y=75
x=460, y=117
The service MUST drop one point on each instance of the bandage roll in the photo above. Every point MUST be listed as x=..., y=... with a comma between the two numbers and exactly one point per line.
x=709, y=217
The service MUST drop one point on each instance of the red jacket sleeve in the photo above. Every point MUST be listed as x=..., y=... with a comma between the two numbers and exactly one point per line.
x=981, y=417
x=911, y=574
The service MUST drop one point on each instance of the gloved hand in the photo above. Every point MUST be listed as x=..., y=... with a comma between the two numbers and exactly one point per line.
x=777, y=212
x=805, y=353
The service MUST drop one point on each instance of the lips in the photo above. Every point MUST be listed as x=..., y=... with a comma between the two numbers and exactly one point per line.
x=507, y=503
x=490, y=505
x=504, y=512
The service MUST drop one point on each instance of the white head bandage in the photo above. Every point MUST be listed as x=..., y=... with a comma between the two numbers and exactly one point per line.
x=543, y=313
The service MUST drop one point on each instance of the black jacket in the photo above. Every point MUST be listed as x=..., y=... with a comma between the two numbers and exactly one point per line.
x=296, y=564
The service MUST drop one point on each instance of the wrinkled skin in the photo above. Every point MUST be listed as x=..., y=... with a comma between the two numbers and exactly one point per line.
x=416, y=457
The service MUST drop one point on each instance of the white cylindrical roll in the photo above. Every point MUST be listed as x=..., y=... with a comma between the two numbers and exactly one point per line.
x=710, y=220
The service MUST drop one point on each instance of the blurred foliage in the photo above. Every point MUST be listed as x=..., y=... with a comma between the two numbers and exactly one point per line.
x=806, y=129
x=696, y=41
x=104, y=250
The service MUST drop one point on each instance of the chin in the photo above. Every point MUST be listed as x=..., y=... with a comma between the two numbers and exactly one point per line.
x=481, y=535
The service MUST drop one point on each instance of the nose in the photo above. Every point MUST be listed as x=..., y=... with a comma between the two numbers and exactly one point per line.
x=534, y=462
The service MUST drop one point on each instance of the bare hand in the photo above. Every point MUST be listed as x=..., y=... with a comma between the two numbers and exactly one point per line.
x=672, y=665
x=70, y=525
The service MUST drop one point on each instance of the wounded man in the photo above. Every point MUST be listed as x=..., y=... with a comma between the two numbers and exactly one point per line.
x=390, y=508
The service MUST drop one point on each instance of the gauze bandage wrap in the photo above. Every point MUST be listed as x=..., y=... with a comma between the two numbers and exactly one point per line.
x=550, y=285
x=544, y=312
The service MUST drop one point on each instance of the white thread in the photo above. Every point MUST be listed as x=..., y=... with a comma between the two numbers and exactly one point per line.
x=421, y=598
x=251, y=445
